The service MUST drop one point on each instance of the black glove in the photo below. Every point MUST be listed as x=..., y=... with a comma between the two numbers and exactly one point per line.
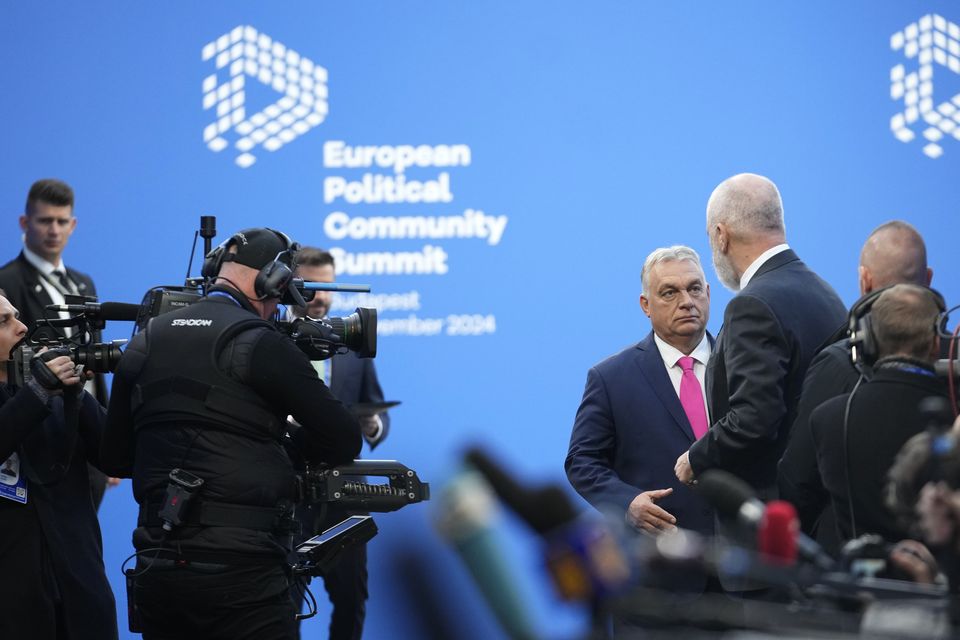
x=44, y=377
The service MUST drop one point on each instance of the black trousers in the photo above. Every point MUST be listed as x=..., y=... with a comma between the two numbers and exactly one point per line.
x=29, y=590
x=345, y=582
x=214, y=602
x=346, y=586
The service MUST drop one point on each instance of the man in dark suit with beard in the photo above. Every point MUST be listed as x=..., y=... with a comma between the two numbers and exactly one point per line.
x=38, y=277
x=772, y=328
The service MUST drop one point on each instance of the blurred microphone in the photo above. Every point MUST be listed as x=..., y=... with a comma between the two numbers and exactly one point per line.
x=104, y=311
x=777, y=534
x=583, y=557
x=464, y=517
x=734, y=498
x=544, y=509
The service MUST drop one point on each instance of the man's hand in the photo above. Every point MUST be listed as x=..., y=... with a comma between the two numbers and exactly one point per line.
x=914, y=559
x=645, y=515
x=54, y=372
x=683, y=470
x=370, y=425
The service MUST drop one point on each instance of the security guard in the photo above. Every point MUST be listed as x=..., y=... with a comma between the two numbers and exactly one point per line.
x=205, y=390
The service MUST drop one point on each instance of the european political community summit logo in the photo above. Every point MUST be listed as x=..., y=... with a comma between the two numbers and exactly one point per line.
x=245, y=55
x=932, y=47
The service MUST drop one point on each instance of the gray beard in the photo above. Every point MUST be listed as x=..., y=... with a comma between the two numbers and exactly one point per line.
x=724, y=268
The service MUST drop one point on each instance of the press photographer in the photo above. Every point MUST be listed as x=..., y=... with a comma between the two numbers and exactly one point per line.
x=50, y=544
x=197, y=417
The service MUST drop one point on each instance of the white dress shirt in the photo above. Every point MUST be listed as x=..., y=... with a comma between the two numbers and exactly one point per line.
x=756, y=264
x=671, y=354
x=46, y=269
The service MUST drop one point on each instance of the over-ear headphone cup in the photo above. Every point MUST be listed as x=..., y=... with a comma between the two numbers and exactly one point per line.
x=868, y=340
x=212, y=262
x=272, y=280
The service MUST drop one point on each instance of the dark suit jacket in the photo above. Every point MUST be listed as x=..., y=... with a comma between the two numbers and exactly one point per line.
x=771, y=331
x=354, y=380
x=52, y=544
x=831, y=373
x=629, y=431
x=883, y=416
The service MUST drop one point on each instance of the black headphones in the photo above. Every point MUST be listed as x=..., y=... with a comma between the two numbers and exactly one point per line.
x=272, y=280
x=864, y=351
x=863, y=340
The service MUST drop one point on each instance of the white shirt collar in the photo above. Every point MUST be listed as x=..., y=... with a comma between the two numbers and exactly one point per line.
x=756, y=264
x=671, y=354
x=46, y=268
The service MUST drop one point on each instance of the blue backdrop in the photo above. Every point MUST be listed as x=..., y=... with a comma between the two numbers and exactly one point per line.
x=545, y=148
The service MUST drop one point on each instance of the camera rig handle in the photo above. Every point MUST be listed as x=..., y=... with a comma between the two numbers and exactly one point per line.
x=345, y=486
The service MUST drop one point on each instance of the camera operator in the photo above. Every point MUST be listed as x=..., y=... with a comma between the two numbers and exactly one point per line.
x=858, y=435
x=50, y=546
x=207, y=389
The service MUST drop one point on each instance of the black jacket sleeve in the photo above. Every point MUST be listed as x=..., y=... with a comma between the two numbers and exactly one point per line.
x=593, y=444
x=284, y=377
x=117, y=443
x=20, y=415
x=757, y=361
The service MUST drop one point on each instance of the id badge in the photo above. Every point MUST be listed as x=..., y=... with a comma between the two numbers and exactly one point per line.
x=13, y=485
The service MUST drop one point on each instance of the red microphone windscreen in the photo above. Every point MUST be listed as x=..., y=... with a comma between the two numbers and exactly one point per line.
x=777, y=534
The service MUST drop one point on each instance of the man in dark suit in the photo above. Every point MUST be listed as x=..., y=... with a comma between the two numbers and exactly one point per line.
x=857, y=436
x=38, y=277
x=631, y=423
x=894, y=253
x=353, y=381
x=772, y=329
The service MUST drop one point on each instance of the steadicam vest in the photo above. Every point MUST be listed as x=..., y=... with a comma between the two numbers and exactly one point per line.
x=181, y=381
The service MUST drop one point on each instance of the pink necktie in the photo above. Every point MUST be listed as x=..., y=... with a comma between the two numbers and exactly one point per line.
x=691, y=397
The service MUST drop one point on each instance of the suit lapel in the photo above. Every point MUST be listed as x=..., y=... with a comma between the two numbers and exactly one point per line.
x=651, y=366
x=712, y=377
x=31, y=278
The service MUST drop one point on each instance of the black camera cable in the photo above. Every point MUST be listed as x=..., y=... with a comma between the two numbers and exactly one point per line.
x=846, y=462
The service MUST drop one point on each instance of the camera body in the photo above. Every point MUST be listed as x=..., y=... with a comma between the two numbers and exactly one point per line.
x=319, y=339
x=869, y=557
x=98, y=357
x=324, y=338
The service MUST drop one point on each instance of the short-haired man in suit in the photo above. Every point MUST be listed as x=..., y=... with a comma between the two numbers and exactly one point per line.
x=644, y=406
x=38, y=277
x=353, y=381
x=894, y=253
x=783, y=312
